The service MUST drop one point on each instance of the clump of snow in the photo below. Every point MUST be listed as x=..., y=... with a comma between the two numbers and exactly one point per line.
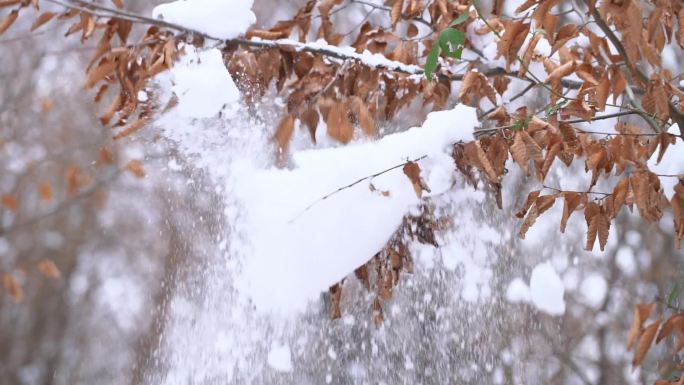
x=220, y=19
x=280, y=358
x=545, y=291
x=202, y=84
x=593, y=290
x=518, y=291
x=296, y=253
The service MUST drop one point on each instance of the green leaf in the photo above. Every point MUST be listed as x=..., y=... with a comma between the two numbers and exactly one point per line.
x=452, y=37
x=673, y=294
x=463, y=17
x=431, y=61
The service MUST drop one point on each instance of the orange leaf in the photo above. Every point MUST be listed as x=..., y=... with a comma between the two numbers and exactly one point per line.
x=10, y=202
x=12, y=287
x=284, y=132
x=42, y=19
x=48, y=268
x=135, y=167
x=644, y=342
x=339, y=126
x=45, y=191
x=8, y=21
x=412, y=171
x=562, y=71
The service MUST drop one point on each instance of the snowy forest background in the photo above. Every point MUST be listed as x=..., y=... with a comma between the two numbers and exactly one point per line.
x=148, y=253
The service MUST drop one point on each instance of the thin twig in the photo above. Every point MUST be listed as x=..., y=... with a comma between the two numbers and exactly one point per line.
x=354, y=184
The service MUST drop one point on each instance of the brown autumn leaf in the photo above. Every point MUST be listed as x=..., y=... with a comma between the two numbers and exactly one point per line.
x=412, y=171
x=361, y=274
x=284, y=132
x=8, y=21
x=135, y=167
x=10, y=202
x=395, y=12
x=335, y=299
x=541, y=204
x=310, y=119
x=531, y=198
x=118, y=3
x=485, y=163
x=364, y=117
x=524, y=148
x=12, y=287
x=45, y=191
x=48, y=268
x=644, y=342
x=42, y=19
x=571, y=200
x=602, y=93
x=130, y=128
x=677, y=320
x=377, y=313
x=562, y=71
x=641, y=313
x=339, y=126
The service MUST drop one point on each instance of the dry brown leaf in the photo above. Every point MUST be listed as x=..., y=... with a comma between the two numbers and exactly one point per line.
x=602, y=93
x=131, y=128
x=395, y=13
x=10, y=202
x=412, y=171
x=335, y=299
x=12, y=287
x=135, y=167
x=676, y=320
x=42, y=19
x=284, y=132
x=644, y=342
x=562, y=71
x=531, y=198
x=641, y=313
x=571, y=201
x=377, y=313
x=45, y=191
x=48, y=268
x=339, y=126
x=8, y=21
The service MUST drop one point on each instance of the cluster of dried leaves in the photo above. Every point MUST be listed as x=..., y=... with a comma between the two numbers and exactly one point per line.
x=352, y=96
x=642, y=336
x=382, y=272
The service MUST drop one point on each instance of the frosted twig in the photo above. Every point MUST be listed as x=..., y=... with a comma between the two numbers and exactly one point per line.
x=354, y=184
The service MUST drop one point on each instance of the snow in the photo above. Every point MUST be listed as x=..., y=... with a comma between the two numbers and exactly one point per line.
x=280, y=358
x=219, y=19
x=518, y=291
x=202, y=84
x=593, y=290
x=296, y=253
x=671, y=164
x=545, y=291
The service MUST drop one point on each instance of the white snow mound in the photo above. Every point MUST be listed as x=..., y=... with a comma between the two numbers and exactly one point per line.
x=295, y=253
x=220, y=19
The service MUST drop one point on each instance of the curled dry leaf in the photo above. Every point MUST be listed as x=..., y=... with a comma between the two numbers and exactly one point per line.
x=335, y=299
x=8, y=21
x=10, y=202
x=42, y=19
x=284, y=132
x=562, y=71
x=641, y=313
x=48, y=268
x=412, y=171
x=339, y=126
x=135, y=167
x=12, y=287
x=644, y=342
x=45, y=191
